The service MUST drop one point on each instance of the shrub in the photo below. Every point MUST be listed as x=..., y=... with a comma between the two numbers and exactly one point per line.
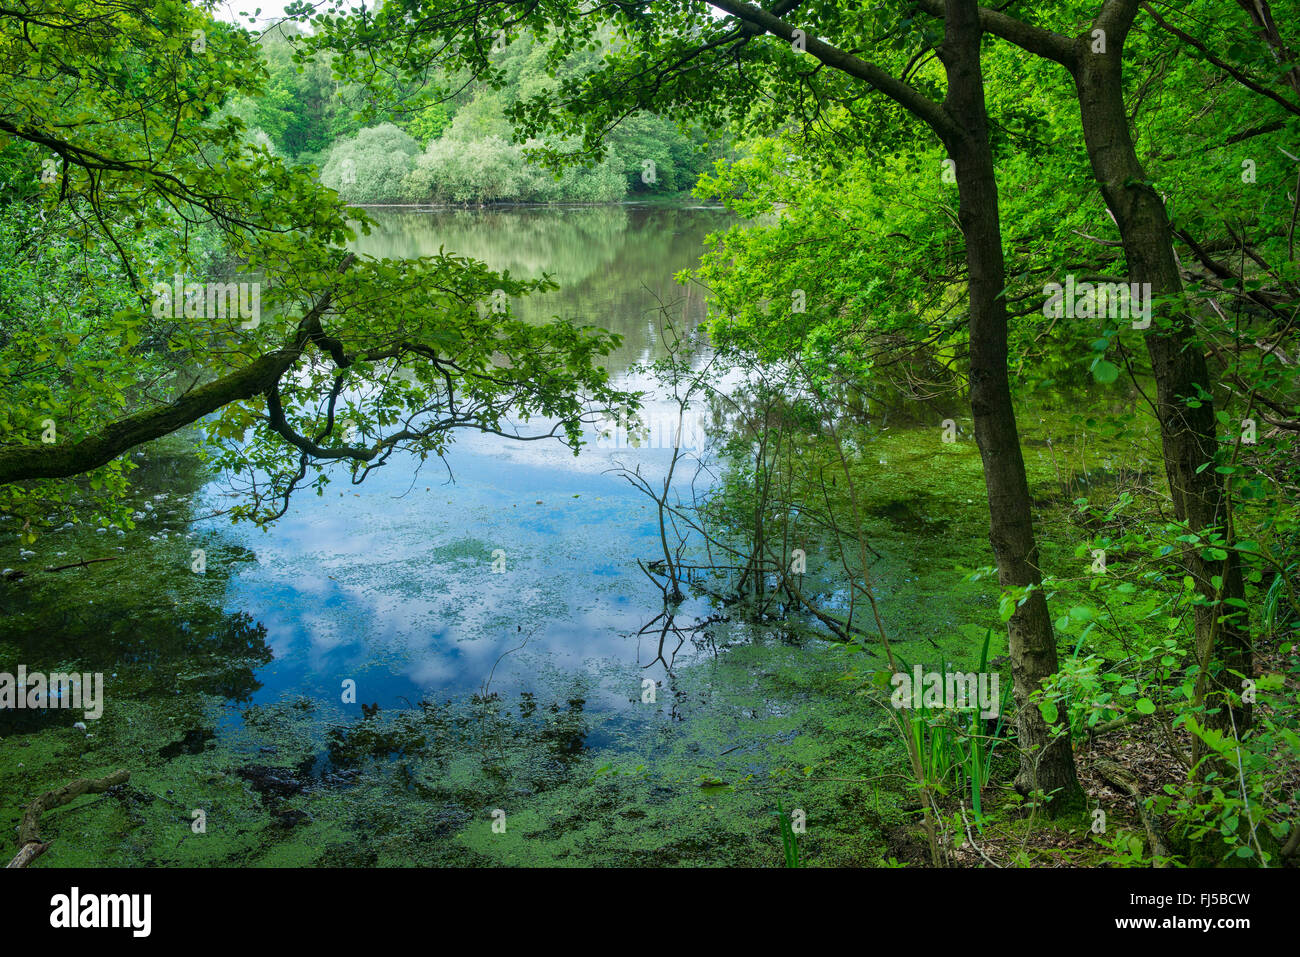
x=371, y=166
x=493, y=170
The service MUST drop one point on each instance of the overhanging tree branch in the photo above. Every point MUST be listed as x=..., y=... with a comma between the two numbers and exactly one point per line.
x=67, y=459
x=901, y=93
x=1222, y=64
x=1037, y=40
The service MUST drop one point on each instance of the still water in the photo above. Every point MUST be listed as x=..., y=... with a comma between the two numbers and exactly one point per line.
x=520, y=690
x=416, y=583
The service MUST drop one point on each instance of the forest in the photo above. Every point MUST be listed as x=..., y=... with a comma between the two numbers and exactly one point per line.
x=650, y=434
x=456, y=147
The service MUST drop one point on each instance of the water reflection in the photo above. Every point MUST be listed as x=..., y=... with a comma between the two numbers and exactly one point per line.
x=150, y=631
x=392, y=583
x=614, y=264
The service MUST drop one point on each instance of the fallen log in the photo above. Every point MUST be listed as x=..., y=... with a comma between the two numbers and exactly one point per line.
x=1118, y=776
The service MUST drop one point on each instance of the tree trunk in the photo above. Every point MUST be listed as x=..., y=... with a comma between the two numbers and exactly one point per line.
x=961, y=122
x=1188, y=435
x=1046, y=762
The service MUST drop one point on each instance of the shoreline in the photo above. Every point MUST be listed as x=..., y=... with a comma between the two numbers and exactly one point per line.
x=468, y=206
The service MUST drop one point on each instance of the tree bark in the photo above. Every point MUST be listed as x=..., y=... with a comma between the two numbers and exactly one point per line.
x=66, y=459
x=1046, y=760
x=25, y=462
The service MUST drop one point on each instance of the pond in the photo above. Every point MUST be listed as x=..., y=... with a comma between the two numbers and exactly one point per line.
x=517, y=697
x=418, y=582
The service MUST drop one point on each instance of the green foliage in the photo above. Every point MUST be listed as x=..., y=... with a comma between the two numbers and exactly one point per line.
x=470, y=157
x=956, y=750
x=493, y=170
x=157, y=180
x=1245, y=810
x=62, y=350
x=427, y=124
x=1134, y=663
x=370, y=166
x=473, y=152
x=302, y=106
x=789, y=843
x=148, y=141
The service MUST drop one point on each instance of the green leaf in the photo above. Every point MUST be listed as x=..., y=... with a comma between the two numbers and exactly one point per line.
x=1105, y=372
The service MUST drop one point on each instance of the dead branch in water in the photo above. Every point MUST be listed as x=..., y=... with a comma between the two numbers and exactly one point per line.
x=30, y=845
x=18, y=574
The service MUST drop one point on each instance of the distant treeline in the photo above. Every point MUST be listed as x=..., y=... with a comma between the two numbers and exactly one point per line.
x=460, y=149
